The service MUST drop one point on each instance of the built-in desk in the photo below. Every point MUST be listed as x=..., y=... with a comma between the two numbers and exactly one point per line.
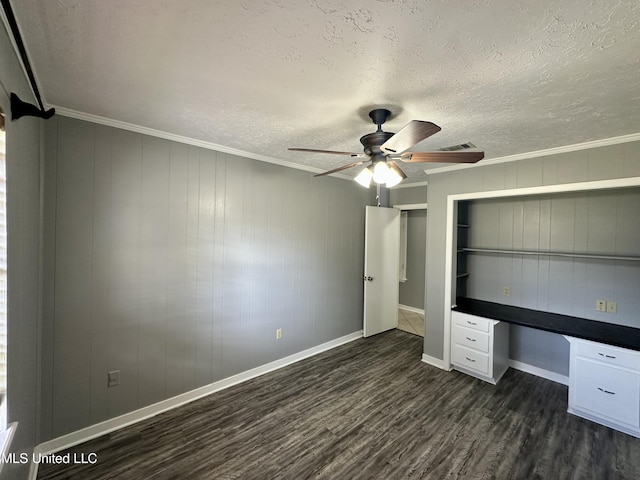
x=604, y=370
x=611, y=334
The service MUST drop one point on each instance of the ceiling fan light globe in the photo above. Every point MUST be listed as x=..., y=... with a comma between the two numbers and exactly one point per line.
x=364, y=177
x=393, y=178
x=380, y=172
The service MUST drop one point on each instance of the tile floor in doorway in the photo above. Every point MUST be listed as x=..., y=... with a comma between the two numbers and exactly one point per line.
x=411, y=322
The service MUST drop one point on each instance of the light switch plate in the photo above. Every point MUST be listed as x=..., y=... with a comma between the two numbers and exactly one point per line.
x=113, y=378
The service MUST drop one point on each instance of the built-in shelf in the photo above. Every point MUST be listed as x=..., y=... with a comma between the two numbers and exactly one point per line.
x=463, y=225
x=551, y=254
x=462, y=275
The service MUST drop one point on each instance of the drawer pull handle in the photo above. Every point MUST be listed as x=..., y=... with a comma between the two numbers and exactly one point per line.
x=470, y=359
x=471, y=323
x=605, y=355
x=606, y=391
x=470, y=339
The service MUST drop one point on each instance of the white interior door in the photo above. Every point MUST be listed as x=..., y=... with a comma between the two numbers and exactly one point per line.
x=381, y=263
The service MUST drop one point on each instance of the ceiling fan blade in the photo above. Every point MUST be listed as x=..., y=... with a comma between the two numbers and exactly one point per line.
x=344, y=167
x=397, y=168
x=312, y=150
x=413, y=132
x=442, y=157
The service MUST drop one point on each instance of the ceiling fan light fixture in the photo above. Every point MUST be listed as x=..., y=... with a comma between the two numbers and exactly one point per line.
x=364, y=177
x=380, y=172
x=393, y=178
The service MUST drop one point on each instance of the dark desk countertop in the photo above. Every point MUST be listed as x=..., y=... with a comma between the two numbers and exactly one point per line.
x=618, y=335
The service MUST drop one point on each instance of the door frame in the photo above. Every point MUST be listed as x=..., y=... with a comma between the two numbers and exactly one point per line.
x=411, y=206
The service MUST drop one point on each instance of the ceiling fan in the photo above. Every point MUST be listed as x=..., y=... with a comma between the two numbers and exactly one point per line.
x=384, y=148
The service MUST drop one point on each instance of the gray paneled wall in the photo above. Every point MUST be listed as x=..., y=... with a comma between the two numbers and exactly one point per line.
x=406, y=194
x=615, y=161
x=176, y=265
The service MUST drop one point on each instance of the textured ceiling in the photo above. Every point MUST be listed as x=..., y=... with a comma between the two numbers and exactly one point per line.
x=261, y=76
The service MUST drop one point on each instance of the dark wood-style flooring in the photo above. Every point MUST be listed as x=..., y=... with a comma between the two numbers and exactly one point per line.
x=366, y=410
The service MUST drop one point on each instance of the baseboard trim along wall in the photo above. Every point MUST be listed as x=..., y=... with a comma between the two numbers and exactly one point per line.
x=411, y=309
x=108, y=426
x=539, y=372
x=436, y=362
x=523, y=367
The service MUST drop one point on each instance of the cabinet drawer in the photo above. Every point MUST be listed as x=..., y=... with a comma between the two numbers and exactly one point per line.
x=471, y=359
x=607, y=391
x=471, y=338
x=608, y=354
x=471, y=321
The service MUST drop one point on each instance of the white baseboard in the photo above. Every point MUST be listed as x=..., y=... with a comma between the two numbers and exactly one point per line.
x=436, y=362
x=539, y=372
x=85, y=434
x=523, y=367
x=411, y=309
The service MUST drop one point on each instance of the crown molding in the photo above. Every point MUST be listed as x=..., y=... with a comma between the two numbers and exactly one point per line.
x=263, y=158
x=410, y=185
x=109, y=122
x=634, y=137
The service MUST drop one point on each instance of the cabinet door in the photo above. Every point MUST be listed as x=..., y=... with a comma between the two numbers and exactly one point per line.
x=607, y=391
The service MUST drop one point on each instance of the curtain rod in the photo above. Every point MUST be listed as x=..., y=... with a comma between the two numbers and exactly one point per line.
x=15, y=31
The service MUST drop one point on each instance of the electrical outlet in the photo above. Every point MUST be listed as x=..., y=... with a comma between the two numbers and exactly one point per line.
x=601, y=305
x=279, y=334
x=612, y=307
x=113, y=378
x=506, y=291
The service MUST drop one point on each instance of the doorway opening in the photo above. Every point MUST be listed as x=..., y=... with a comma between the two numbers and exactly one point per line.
x=413, y=249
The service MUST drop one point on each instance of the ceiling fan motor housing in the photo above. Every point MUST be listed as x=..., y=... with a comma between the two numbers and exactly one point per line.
x=372, y=142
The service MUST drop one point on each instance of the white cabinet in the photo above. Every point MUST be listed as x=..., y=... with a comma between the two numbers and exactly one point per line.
x=604, y=385
x=479, y=346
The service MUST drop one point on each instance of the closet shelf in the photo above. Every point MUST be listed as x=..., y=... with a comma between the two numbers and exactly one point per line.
x=552, y=254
